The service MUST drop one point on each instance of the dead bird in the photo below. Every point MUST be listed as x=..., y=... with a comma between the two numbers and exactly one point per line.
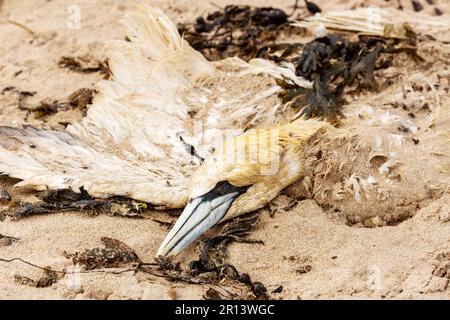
x=128, y=143
x=242, y=176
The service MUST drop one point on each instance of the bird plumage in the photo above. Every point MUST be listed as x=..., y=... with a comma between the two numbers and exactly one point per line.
x=128, y=143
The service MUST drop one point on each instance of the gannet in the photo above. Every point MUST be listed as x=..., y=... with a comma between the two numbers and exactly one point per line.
x=243, y=175
x=129, y=145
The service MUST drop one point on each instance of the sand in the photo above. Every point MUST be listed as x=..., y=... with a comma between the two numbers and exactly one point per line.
x=311, y=252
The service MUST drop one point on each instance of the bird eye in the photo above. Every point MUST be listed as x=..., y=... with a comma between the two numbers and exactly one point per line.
x=224, y=187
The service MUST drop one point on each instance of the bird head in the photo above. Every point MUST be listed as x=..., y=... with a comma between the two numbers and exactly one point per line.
x=242, y=175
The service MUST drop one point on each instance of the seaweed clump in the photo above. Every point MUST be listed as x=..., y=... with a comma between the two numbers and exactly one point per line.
x=334, y=63
x=115, y=254
x=7, y=240
x=237, y=30
x=5, y=197
x=213, y=251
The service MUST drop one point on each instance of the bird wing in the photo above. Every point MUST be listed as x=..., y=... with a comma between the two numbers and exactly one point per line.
x=129, y=143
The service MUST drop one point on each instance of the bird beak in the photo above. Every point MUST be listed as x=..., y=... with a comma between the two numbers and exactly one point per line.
x=198, y=216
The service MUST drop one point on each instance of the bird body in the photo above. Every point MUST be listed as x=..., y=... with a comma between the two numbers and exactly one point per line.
x=128, y=144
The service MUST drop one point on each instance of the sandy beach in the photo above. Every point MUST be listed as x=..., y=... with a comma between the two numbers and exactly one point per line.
x=400, y=250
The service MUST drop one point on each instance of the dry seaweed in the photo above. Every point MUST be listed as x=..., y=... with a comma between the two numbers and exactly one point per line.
x=165, y=224
x=115, y=254
x=441, y=267
x=5, y=197
x=213, y=251
x=21, y=95
x=438, y=11
x=213, y=256
x=190, y=149
x=25, y=209
x=312, y=7
x=417, y=6
x=81, y=98
x=7, y=240
x=237, y=30
x=63, y=195
x=304, y=269
x=64, y=200
x=259, y=290
x=167, y=264
x=85, y=65
x=334, y=63
x=213, y=267
x=19, y=92
x=212, y=294
x=48, y=278
x=230, y=284
x=78, y=99
x=44, y=108
x=170, y=275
